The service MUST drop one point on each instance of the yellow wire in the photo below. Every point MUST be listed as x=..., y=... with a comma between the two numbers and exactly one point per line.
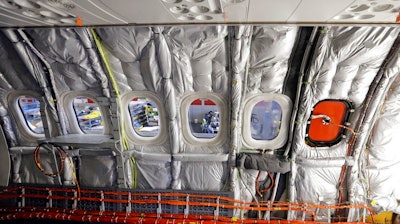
x=124, y=140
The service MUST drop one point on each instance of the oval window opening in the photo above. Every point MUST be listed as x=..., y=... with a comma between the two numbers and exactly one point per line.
x=204, y=118
x=88, y=114
x=30, y=108
x=144, y=117
x=266, y=117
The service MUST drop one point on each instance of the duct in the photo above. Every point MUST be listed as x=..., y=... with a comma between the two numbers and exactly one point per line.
x=270, y=163
x=97, y=168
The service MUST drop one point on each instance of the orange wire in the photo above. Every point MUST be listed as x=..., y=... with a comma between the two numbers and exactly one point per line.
x=36, y=157
x=259, y=192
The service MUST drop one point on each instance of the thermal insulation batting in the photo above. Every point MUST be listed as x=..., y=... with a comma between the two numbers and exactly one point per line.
x=25, y=169
x=270, y=51
x=68, y=51
x=345, y=62
x=14, y=75
x=382, y=159
x=210, y=176
x=153, y=174
x=198, y=58
x=170, y=62
x=97, y=168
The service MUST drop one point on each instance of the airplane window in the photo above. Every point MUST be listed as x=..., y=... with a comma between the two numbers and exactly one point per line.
x=204, y=118
x=30, y=108
x=266, y=117
x=88, y=114
x=144, y=116
x=266, y=121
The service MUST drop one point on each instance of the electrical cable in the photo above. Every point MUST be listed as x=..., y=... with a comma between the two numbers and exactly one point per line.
x=326, y=120
x=60, y=151
x=260, y=192
x=36, y=157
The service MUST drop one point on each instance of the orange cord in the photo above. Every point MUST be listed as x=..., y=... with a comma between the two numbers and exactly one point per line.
x=260, y=192
x=36, y=157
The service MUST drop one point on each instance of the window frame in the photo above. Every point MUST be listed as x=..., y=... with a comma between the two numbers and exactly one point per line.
x=67, y=100
x=188, y=137
x=280, y=140
x=132, y=135
x=26, y=132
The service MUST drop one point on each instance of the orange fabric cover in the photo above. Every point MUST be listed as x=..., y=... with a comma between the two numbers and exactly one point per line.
x=318, y=131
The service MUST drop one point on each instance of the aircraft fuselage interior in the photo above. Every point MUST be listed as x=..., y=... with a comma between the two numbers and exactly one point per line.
x=200, y=111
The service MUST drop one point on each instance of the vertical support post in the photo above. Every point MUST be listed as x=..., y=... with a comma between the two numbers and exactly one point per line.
x=75, y=204
x=186, y=210
x=129, y=207
x=121, y=181
x=159, y=209
x=22, y=203
x=102, y=206
x=50, y=203
x=216, y=212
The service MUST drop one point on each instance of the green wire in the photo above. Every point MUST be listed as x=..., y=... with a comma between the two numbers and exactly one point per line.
x=124, y=140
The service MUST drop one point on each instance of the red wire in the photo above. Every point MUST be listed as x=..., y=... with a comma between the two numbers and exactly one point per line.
x=259, y=192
